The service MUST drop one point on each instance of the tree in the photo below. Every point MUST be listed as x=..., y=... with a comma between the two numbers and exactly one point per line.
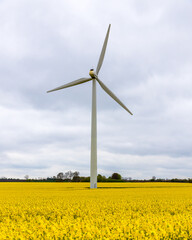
x=85, y=179
x=99, y=178
x=69, y=175
x=76, y=174
x=116, y=176
x=76, y=177
x=60, y=176
x=153, y=179
x=26, y=177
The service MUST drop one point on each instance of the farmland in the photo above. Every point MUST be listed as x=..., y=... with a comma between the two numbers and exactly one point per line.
x=113, y=211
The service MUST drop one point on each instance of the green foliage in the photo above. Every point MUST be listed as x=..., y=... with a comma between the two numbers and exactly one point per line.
x=85, y=179
x=76, y=179
x=101, y=178
x=116, y=176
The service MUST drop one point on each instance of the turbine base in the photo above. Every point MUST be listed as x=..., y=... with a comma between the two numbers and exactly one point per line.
x=93, y=185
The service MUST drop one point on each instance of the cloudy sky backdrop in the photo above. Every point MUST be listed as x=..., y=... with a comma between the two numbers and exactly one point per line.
x=148, y=65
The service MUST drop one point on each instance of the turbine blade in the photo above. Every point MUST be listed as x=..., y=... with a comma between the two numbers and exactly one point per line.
x=76, y=82
x=106, y=89
x=103, y=51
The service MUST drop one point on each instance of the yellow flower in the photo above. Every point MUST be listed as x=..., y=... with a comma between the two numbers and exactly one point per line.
x=113, y=211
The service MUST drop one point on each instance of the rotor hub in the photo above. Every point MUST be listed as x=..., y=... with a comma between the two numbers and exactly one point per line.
x=92, y=73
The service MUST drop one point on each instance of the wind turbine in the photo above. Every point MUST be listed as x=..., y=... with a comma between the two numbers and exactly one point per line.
x=94, y=77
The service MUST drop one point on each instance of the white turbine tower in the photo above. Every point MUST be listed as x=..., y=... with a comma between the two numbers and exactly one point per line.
x=94, y=78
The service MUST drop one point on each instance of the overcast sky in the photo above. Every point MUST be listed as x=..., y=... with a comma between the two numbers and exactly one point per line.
x=148, y=65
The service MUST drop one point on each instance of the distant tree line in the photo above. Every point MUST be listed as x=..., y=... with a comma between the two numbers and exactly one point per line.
x=75, y=177
x=71, y=176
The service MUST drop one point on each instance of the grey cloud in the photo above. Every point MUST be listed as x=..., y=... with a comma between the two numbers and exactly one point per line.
x=147, y=65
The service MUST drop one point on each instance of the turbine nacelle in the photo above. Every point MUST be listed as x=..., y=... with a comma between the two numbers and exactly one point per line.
x=92, y=73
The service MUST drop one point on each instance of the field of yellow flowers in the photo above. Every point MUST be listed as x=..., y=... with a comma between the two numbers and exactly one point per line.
x=113, y=211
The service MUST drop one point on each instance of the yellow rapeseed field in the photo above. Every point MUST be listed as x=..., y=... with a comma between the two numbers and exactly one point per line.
x=113, y=211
